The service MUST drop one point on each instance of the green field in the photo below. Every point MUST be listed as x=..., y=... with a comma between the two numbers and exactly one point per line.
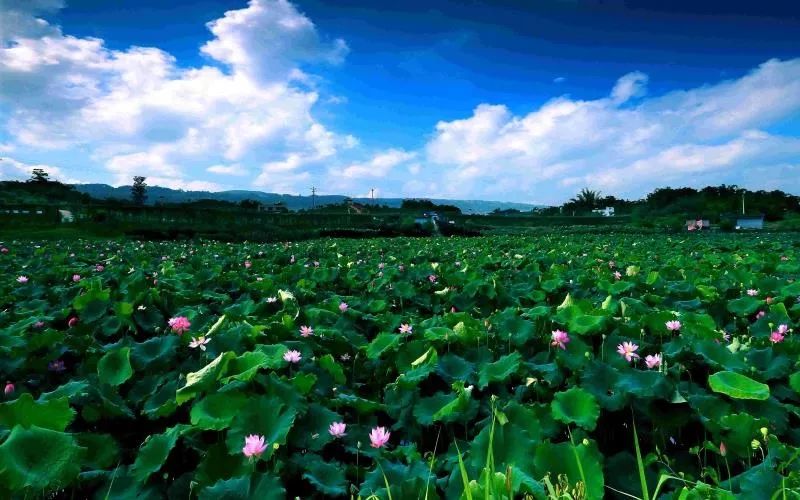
x=556, y=366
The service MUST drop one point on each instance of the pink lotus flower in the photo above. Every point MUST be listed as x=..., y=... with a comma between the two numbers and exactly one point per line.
x=379, y=437
x=199, y=342
x=337, y=429
x=56, y=366
x=673, y=325
x=776, y=337
x=22, y=279
x=723, y=450
x=248, y=264
x=254, y=446
x=179, y=324
x=560, y=339
x=760, y=314
x=38, y=325
x=653, y=361
x=99, y=268
x=4, y=250
x=381, y=265
x=782, y=329
x=9, y=390
x=343, y=306
x=432, y=278
x=292, y=356
x=628, y=351
x=406, y=329
x=306, y=331
x=76, y=277
x=752, y=292
x=617, y=275
x=768, y=300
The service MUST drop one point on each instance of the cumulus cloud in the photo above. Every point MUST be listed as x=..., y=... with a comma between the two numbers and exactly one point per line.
x=690, y=137
x=139, y=112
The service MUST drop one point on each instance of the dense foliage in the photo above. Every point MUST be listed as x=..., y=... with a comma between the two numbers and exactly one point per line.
x=577, y=365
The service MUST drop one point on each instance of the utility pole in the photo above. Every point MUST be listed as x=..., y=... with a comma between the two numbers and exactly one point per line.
x=372, y=195
x=742, y=202
x=313, y=197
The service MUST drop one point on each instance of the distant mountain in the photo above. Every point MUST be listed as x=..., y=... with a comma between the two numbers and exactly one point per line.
x=157, y=194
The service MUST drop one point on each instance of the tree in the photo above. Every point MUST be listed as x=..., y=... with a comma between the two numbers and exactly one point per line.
x=139, y=190
x=249, y=204
x=39, y=176
x=587, y=199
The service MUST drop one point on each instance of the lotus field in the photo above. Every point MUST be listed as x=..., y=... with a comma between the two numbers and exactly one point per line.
x=574, y=366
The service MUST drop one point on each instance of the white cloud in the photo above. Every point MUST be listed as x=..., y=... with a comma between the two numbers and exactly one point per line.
x=14, y=170
x=234, y=169
x=379, y=166
x=138, y=111
x=629, y=86
x=710, y=134
x=267, y=39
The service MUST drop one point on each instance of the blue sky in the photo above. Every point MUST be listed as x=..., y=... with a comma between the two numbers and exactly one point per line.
x=518, y=101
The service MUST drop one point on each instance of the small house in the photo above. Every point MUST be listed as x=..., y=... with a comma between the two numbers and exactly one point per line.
x=750, y=222
x=605, y=212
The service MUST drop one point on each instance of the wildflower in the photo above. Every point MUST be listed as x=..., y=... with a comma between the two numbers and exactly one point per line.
x=628, y=351
x=4, y=250
x=254, y=446
x=673, y=325
x=379, y=437
x=76, y=278
x=381, y=265
x=306, y=331
x=9, y=390
x=612, y=264
x=247, y=264
x=272, y=300
x=432, y=278
x=292, y=356
x=560, y=339
x=179, y=324
x=458, y=263
x=199, y=342
x=401, y=267
x=337, y=429
x=776, y=337
x=617, y=275
x=38, y=324
x=99, y=268
x=782, y=329
x=653, y=361
x=752, y=292
x=292, y=260
x=726, y=336
x=760, y=314
x=406, y=328
x=72, y=321
x=343, y=306
x=22, y=279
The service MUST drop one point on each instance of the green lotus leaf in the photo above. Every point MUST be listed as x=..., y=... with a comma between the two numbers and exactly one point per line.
x=738, y=386
x=500, y=370
x=54, y=414
x=744, y=306
x=39, y=460
x=154, y=452
x=114, y=368
x=382, y=343
x=577, y=406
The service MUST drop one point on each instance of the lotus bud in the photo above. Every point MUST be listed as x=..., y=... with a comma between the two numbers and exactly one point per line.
x=764, y=432
x=585, y=442
x=755, y=444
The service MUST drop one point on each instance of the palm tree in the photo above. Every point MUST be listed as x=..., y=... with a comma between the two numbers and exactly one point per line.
x=587, y=198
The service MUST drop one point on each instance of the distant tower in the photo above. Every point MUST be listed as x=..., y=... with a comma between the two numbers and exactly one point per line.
x=313, y=197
